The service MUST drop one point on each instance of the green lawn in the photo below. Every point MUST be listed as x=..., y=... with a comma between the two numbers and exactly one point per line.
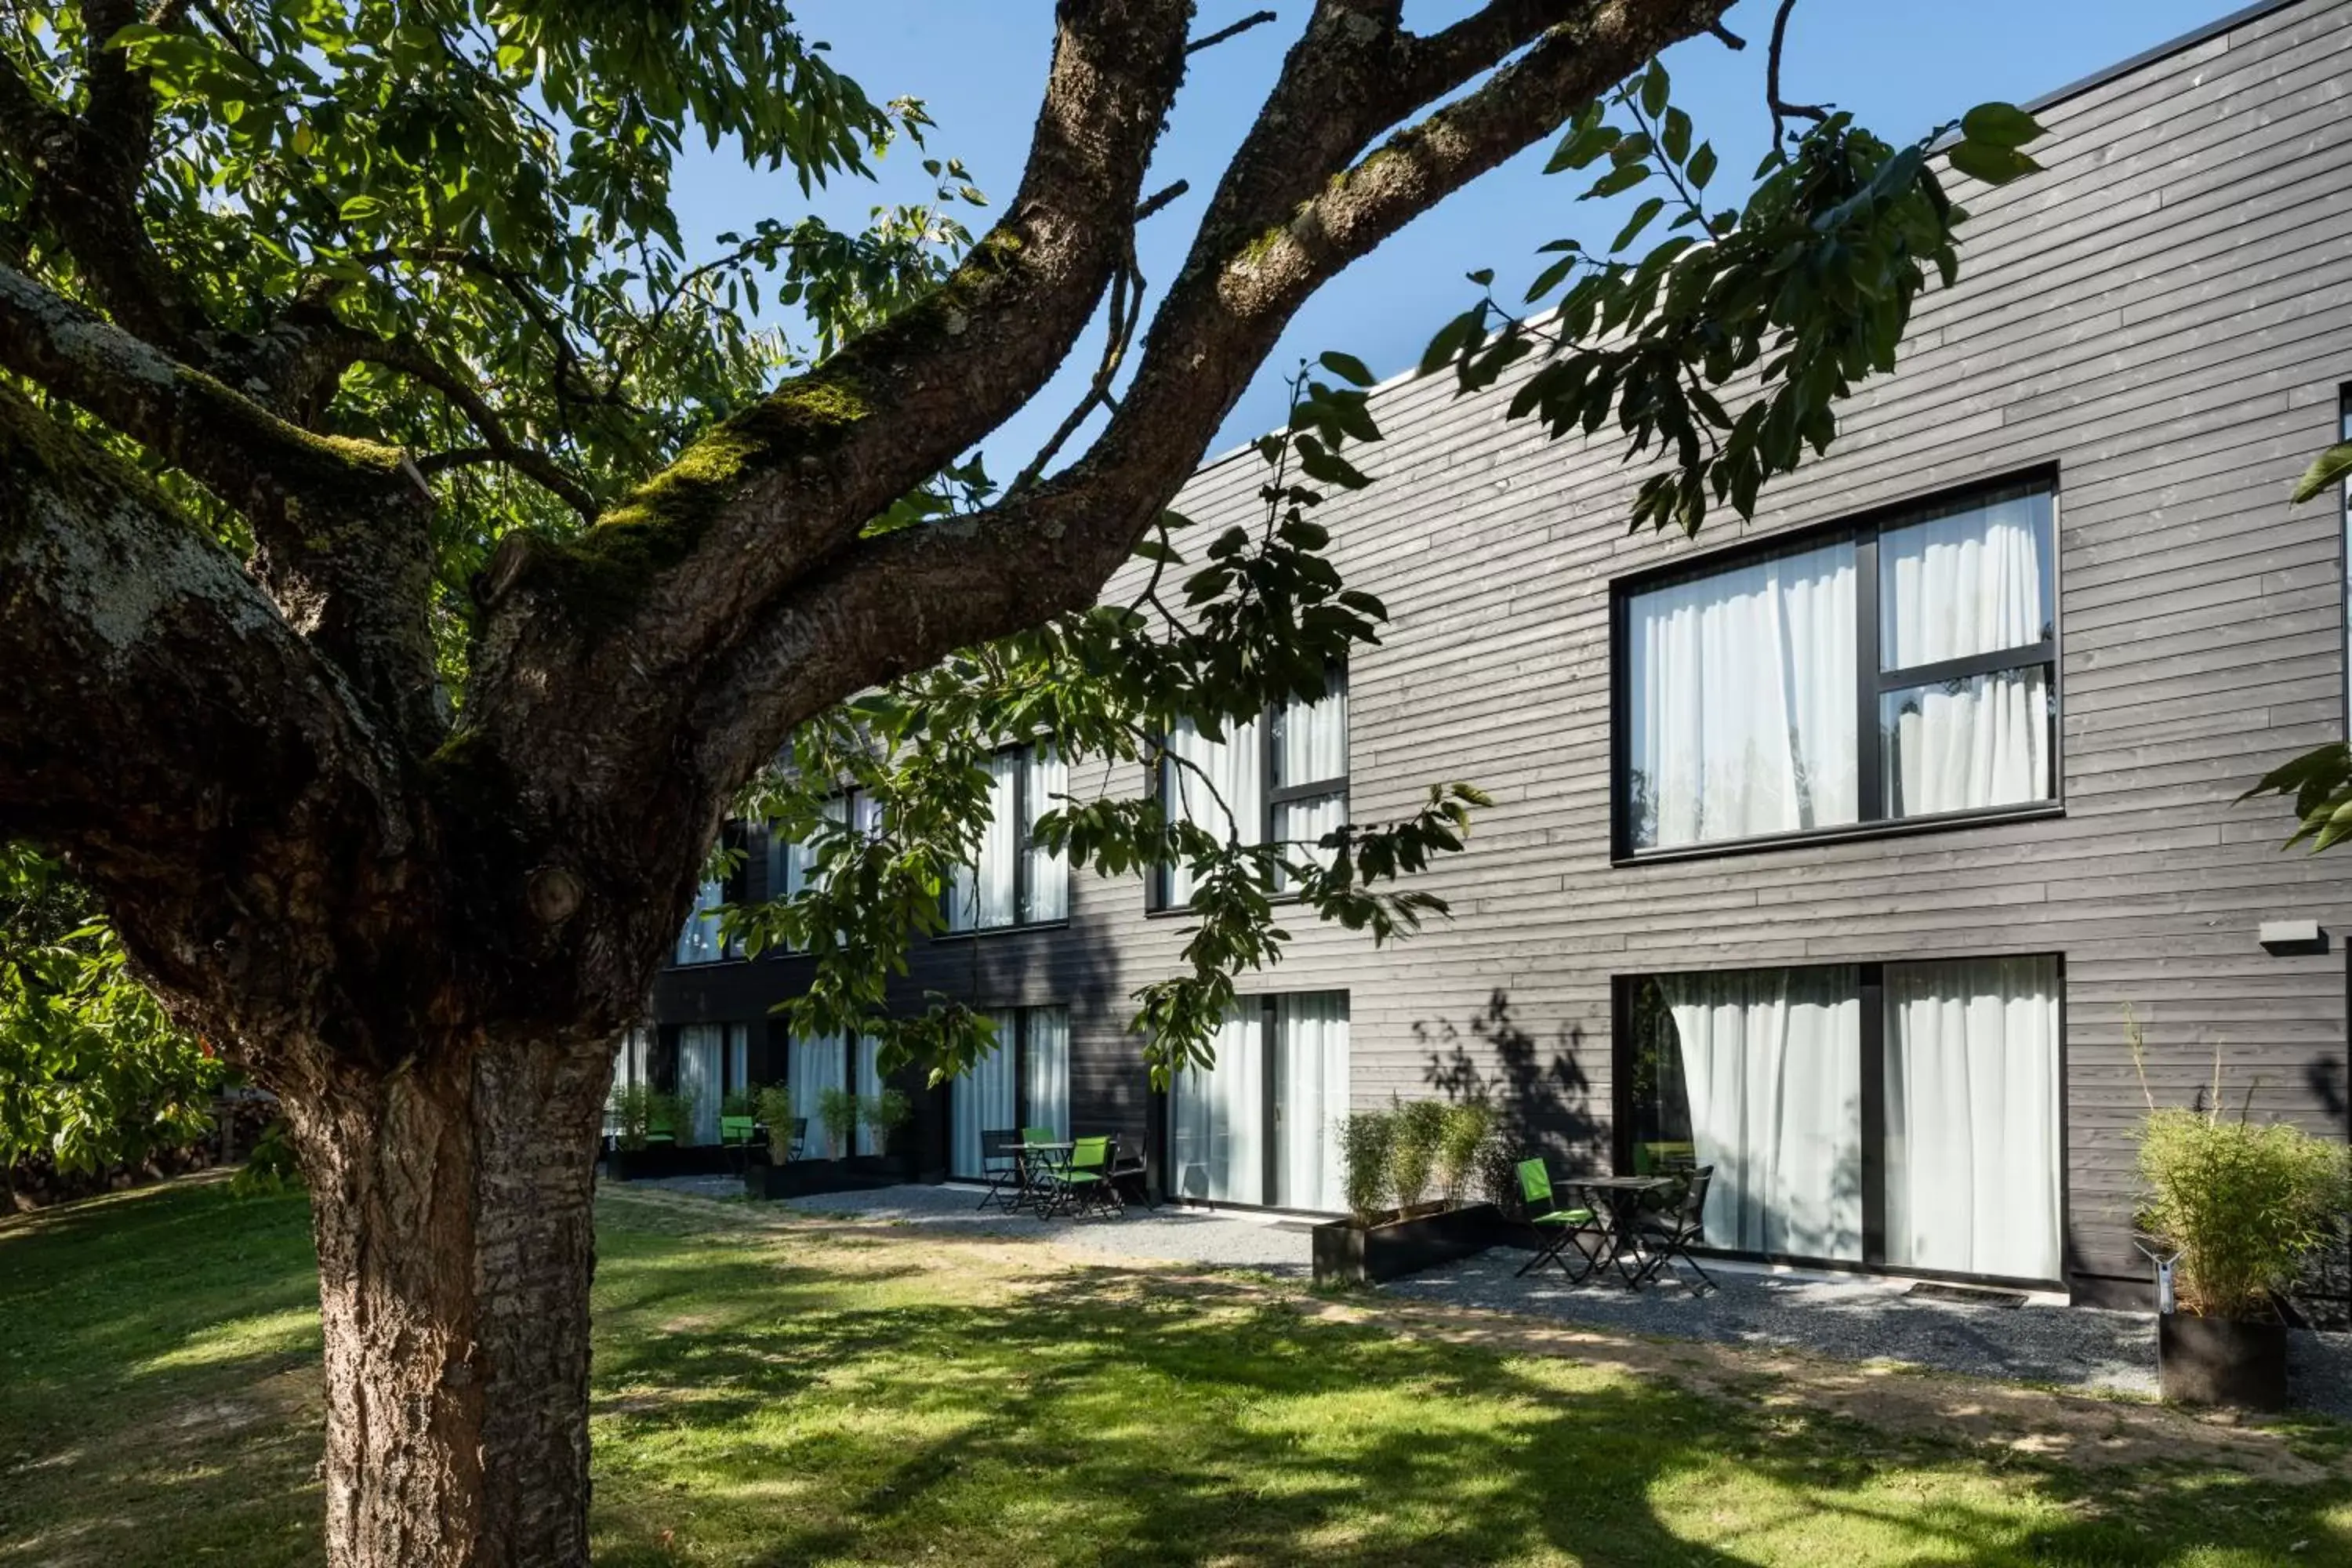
x=821, y=1393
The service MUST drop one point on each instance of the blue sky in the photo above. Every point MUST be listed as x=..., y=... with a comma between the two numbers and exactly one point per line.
x=1901, y=65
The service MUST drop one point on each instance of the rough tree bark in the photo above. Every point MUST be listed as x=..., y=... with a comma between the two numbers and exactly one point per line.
x=425, y=937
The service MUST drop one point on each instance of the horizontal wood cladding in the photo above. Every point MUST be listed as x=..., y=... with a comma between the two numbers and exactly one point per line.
x=2164, y=317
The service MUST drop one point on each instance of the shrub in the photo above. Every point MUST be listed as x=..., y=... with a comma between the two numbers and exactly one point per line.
x=1364, y=1140
x=739, y=1102
x=2243, y=1204
x=631, y=1106
x=775, y=1109
x=675, y=1111
x=836, y=1112
x=272, y=1167
x=885, y=1113
x=1412, y=1154
x=1498, y=1169
x=1463, y=1131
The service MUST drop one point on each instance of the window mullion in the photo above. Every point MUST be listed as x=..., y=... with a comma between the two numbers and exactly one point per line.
x=1869, y=793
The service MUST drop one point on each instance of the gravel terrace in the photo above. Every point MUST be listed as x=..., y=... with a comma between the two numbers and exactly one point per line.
x=1849, y=1319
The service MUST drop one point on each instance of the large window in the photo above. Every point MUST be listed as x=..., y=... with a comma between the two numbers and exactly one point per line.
x=1023, y=1082
x=1904, y=1114
x=1281, y=777
x=792, y=864
x=1261, y=1127
x=1017, y=881
x=1899, y=671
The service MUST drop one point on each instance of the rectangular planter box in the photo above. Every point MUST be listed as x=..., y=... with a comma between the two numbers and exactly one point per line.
x=2221, y=1361
x=1348, y=1254
x=807, y=1178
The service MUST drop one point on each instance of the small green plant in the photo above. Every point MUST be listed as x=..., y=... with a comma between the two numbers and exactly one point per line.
x=673, y=1113
x=1412, y=1155
x=775, y=1109
x=631, y=1108
x=739, y=1102
x=885, y=1113
x=1460, y=1135
x=1496, y=1168
x=1364, y=1141
x=836, y=1112
x=2243, y=1205
x=272, y=1167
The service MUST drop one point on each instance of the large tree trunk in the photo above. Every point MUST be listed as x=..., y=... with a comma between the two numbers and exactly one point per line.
x=452, y=1205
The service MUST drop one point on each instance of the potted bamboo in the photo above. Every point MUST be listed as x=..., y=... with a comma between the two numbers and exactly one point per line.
x=2238, y=1208
x=1390, y=1161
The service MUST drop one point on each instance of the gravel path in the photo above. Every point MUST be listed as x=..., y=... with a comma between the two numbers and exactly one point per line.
x=1848, y=1319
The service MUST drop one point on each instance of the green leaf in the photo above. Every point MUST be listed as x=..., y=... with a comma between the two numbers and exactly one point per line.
x=1637, y=223
x=1992, y=164
x=1348, y=367
x=1702, y=166
x=2000, y=125
x=357, y=209
x=1618, y=181
x=2325, y=470
x=1676, y=136
x=1655, y=90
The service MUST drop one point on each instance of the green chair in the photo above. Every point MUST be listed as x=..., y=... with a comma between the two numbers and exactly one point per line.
x=1558, y=1229
x=1664, y=1159
x=660, y=1128
x=1084, y=1185
x=736, y=1134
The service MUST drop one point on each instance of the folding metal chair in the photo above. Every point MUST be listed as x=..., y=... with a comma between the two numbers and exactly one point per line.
x=1665, y=1234
x=1084, y=1185
x=1557, y=1229
x=999, y=1167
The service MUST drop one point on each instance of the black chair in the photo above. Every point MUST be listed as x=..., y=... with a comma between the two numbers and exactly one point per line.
x=1130, y=1172
x=999, y=1167
x=1665, y=1234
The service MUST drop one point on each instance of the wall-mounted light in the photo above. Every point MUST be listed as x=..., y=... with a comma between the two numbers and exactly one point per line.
x=2284, y=937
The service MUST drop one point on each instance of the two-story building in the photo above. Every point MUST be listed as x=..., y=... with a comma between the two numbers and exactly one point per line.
x=1835, y=847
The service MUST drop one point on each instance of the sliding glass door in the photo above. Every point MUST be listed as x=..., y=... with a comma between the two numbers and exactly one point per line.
x=1905, y=1114
x=699, y=1081
x=1260, y=1127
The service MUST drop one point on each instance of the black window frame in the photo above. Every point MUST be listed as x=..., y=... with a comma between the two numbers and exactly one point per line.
x=1871, y=984
x=1018, y=1046
x=1268, y=1006
x=770, y=844
x=1023, y=889
x=1156, y=897
x=1872, y=684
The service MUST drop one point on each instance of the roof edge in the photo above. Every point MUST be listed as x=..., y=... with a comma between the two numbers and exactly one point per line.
x=2166, y=50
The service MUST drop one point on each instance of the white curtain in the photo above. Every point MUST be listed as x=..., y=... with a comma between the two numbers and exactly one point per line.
x=982, y=1100
x=1217, y=1119
x=699, y=1045
x=1222, y=791
x=1047, y=780
x=1301, y=824
x=1771, y=1061
x=739, y=1056
x=698, y=942
x=1742, y=697
x=1973, y=1133
x=1977, y=582
x=1045, y=1073
x=868, y=1085
x=983, y=895
x=629, y=1067
x=1310, y=1093
x=813, y=1065
x=1311, y=737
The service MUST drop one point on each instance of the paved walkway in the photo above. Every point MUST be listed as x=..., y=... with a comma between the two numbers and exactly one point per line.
x=1857, y=1319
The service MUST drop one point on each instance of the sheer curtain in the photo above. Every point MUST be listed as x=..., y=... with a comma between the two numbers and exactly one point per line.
x=1977, y=582
x=698, y=942
x=1230, y=770
x=1973, y=1133
x=1047, y=780
x=699, y=1045
x=868, y=1085
x=982, y=1100
x=813, y=1065
x=1310, y=747
x=1047, y=1070
x=739, y=1056
x=982, y=896
x=1771, y=1061
x=1310, y=1094
x=1217, y=1119
x=1742, y=698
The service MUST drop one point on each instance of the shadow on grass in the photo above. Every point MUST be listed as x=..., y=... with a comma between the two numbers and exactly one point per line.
x=1104, y=1422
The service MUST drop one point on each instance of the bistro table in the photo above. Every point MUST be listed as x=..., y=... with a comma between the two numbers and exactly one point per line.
x=1040, y=1163
x=1617, y=1201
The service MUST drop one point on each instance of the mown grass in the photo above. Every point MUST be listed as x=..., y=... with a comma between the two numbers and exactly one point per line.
x=828, y=1394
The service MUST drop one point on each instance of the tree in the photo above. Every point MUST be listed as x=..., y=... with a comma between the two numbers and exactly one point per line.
x=408, y=558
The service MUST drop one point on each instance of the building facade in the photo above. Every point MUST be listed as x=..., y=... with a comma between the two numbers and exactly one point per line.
x=1844, y=851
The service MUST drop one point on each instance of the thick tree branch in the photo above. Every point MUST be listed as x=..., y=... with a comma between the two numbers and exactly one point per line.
x=339, y=525
x=1050, y=549
x=163, y=724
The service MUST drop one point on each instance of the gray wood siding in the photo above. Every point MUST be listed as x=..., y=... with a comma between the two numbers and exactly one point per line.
x=2161, y=316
